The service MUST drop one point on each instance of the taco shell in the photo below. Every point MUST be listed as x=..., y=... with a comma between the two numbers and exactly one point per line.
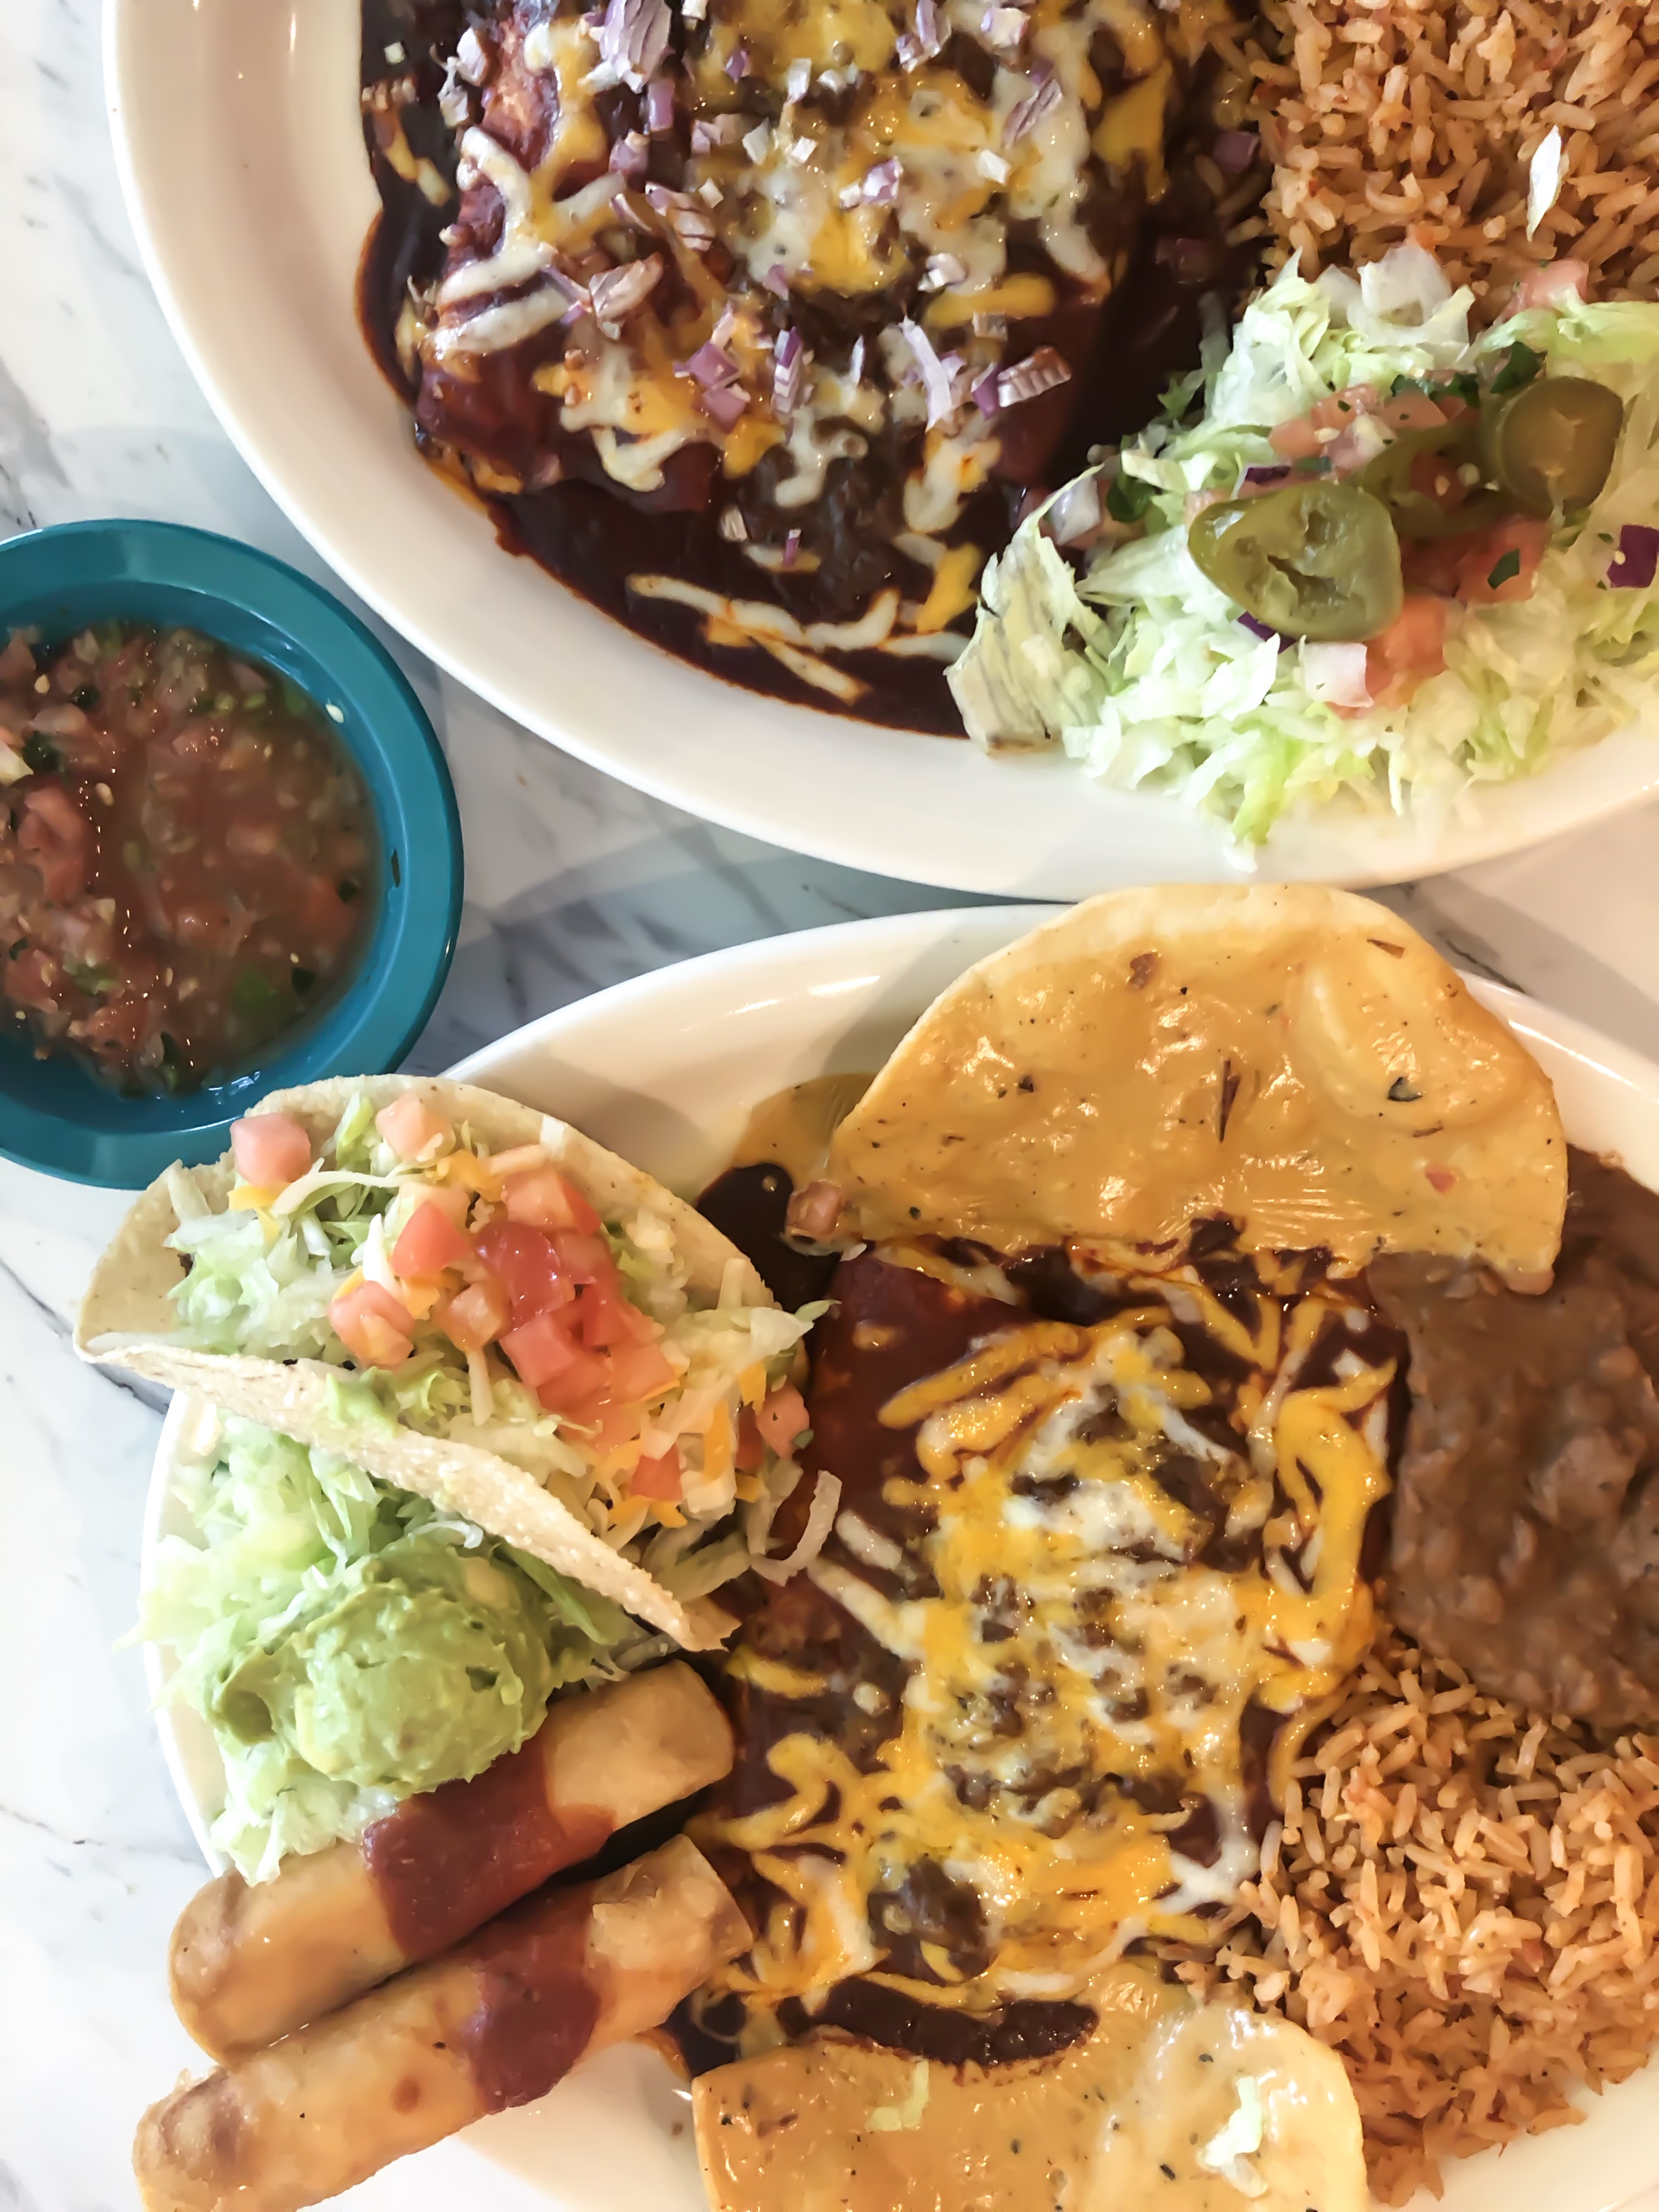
x=1293, y=1057
x=126, y=1320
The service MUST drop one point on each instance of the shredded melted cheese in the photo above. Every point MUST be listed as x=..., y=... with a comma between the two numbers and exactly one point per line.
x=1070, y=1593
x=907, y=174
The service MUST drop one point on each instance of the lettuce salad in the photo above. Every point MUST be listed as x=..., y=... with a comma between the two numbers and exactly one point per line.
x=1141, y=668
x=348, y=1644
x=270, y=1276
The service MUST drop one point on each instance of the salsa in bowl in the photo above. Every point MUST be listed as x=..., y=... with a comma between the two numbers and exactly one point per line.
x=229, y=852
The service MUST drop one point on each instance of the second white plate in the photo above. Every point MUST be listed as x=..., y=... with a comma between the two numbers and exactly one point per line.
x=664, y=1070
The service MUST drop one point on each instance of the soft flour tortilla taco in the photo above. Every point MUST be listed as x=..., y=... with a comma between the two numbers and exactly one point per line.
x=471, y=1301
x=1292, y=1057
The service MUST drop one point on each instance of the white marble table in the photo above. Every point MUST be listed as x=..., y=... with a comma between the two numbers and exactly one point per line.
x=572, y=883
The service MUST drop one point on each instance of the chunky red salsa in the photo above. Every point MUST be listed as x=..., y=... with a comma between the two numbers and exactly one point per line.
x=185, y=853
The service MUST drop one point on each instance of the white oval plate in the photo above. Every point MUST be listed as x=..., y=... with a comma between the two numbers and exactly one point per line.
x=664, y=1070
x=237, y=131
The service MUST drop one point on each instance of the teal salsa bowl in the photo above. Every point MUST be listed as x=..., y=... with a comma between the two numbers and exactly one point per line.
x=54, y=1114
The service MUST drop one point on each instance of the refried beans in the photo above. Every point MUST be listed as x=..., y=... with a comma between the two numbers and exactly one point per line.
x=1526, y=1526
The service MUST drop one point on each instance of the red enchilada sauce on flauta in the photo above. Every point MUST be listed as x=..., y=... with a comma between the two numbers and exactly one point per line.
x=186, y=855
x=536, y=2007
x=455, y=1856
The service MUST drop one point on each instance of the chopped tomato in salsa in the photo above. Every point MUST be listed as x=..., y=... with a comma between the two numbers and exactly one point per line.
x=184, y=852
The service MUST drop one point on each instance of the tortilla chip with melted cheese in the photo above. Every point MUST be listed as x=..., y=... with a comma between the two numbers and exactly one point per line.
x=1294, y=1057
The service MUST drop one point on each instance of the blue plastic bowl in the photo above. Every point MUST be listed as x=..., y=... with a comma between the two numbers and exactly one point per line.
x=55, y=1115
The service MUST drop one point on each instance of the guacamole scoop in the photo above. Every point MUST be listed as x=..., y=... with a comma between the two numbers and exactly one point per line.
x=418, y=1665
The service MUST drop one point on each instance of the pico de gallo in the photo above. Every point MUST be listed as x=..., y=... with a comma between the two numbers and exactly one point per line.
x=484, y=1298
x=186, y=855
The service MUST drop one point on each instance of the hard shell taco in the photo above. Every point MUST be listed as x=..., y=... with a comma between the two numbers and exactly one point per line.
x=472, y=1301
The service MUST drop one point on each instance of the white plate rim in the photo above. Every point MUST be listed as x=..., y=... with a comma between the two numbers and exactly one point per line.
x=1015, y=827
x=1619, y=1089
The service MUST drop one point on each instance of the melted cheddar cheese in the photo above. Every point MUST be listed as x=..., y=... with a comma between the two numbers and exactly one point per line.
x=1079, y=1668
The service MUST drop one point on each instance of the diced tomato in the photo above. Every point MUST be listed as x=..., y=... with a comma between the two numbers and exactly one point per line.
x=584, y=1257
x=1411, y=411
x=55, y=835
x=374, y=1327
x=429, y=1243
x=527, y=1266
x=664, y=1477
x=1301, y=440
x=579, y=1393
x=542, y=1349
x=409, y=1125
x=750, y=1453
x=1462, y=568
x=1554, y=284
x=269, y=1150
x=608, y=1320
x=547, y=1200
x=781, y=1418
x=474, y=1316
x=1517, y=545
x=1410, y=650
x=639, y=1371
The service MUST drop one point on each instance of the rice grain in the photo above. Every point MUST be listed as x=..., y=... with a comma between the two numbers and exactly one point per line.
x=1482, y=1937
x=1388, y=119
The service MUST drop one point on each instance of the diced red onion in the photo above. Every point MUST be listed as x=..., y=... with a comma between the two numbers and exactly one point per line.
x=686, y=216
x=944, y=377
x=791, y=549
x=790, y=362
x=658, y=106
x=1075, y=514
x=984, y=395
x=738, y=68
x=1003, y=28
x=1260, y=475
x=855, y=362
x=723, y=403
x=1635, y=558
x=633, y=39
x=616, y=292
x=1234, y=150
x=1336, y=672
x=471, y=56
x=1043, y=98
x=922, y=41
x=1261, y=629
x=943, y=270
x=732, y=526
x=799, y=79
x=881, y=185
x=1030, y=502
x=630, y=155
x=711, y=365
x=1042, y=371
x=776, y=280
x=709, y=131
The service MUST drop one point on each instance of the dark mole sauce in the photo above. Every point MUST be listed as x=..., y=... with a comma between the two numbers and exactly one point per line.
x=536, y=2009
x=447, y=1861
x=889, y=1325
x=591, y=533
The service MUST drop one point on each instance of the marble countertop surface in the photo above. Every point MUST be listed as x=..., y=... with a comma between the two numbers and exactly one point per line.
x=572, y=883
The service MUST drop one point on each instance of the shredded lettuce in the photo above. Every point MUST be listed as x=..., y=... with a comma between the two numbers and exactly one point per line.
x=1141, y=669
x=348, y=1644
